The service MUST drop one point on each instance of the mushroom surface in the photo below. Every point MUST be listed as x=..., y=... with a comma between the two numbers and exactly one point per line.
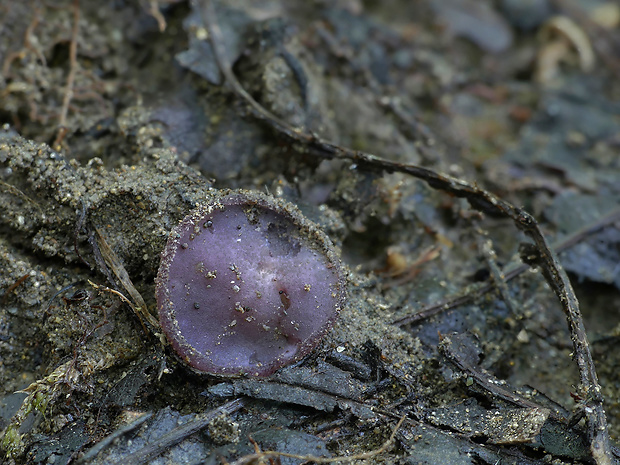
x=247, y=285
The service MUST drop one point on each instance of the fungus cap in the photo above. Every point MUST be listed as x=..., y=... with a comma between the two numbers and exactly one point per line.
x=247, y=285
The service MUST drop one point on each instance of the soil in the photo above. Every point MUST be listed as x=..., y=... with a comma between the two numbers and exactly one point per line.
x=119, y=119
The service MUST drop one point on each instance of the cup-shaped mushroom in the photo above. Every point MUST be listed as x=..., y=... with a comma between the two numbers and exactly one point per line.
x=247, y=285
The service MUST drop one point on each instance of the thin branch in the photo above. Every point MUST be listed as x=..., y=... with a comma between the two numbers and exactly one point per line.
x=62, y=123
x=498, y=278
x=114, y=262
x=156, y=448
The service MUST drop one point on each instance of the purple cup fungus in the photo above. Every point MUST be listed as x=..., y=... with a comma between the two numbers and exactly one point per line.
x=247, y=285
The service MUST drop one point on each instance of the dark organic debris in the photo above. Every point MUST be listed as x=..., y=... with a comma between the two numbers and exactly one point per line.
x=480, y=199
x=475, y=21
x=323, y=388
x=445, y=325
x=497, y=426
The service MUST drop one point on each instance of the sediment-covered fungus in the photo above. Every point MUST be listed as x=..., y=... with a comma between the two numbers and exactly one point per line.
x=247, y=285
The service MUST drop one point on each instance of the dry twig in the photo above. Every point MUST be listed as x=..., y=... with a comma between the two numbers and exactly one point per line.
x=115, y=264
